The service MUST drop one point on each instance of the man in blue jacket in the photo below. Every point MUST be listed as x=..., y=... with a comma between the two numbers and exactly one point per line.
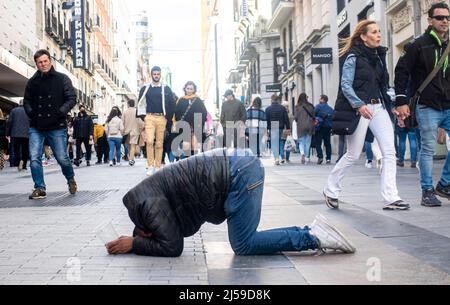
x=324, y=117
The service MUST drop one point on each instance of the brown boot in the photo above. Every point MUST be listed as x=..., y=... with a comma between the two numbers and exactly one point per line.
x=72, y=186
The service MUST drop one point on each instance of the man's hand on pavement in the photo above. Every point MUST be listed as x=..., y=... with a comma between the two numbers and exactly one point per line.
x=122, y=245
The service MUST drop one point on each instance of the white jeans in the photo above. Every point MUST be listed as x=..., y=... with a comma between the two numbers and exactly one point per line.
x=382, y=129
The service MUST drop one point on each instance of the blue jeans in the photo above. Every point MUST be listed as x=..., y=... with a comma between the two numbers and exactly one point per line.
x=285, y=155
x=276, y=144
x=403, y=133
x=305, y=145
x=429, y=121
x=115, y=143
x=57, y=140
x=243, y=211
x=369, y=151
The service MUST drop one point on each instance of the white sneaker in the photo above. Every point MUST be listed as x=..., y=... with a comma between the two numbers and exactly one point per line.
x=150, y=171
x=369, y=164
x=330, y=237
x=111, y=163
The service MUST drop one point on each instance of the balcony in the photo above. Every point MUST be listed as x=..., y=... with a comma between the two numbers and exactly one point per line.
x=281, y=9
x=51, y=25
x=96, y=26
x=103, y=69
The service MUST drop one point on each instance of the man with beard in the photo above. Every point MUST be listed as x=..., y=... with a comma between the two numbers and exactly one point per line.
x=159, y=104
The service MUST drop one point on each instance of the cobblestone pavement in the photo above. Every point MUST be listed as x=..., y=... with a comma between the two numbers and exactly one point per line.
x=52, y=242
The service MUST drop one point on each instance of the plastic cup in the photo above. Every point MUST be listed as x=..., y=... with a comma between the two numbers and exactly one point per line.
x=106, y=232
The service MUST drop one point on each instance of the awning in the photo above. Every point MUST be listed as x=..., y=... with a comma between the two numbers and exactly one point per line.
x=7, y=103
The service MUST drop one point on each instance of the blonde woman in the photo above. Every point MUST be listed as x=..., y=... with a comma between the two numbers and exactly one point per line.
x=363, y=90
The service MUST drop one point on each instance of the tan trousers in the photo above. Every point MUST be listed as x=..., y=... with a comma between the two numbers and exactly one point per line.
x=131, y=151
x=155, y=127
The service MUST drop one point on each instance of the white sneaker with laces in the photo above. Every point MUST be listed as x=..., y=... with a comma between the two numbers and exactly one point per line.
x=369, y=164
x=329, y=236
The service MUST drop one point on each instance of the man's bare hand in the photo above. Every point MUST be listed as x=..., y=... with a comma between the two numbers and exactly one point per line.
x=365, y=112
x=122, y=245
x=402, y=112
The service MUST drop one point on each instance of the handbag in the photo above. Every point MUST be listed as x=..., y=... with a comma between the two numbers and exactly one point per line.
x=411, y=121
x=174, y=126
x=345, y=122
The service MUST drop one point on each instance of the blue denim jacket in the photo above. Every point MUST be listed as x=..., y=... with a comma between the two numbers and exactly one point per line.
x=348, y=77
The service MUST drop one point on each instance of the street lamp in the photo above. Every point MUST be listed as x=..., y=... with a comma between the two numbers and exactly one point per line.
x=281, y=58
x=63, y=54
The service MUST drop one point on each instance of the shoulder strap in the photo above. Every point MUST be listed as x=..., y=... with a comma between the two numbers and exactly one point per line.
x=186, y=112
x=435, y=71
x=147, y=87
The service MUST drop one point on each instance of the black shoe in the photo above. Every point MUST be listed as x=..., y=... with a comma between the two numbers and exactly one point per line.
x=38, y=194
x=114, y=161
x=88, y=163
x=320, y=161
x=72, y=186
x=332, y=203
x=398, y=205
x=98, y=162
x=413, y=164
x=400, y=164
x=132, y=162
x=77, y=163
x=443, y=191
x=429, y=199
x=328, y=162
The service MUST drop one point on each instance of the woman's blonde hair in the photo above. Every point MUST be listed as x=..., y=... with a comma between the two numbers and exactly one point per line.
x=361, y=29
x=1, y=114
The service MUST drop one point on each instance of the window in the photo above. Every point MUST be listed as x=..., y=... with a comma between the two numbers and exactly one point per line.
x=340, y=5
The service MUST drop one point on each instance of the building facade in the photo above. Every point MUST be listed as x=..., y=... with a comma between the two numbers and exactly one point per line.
x=255, y=72
x=144, y=46
x=80, y=38
x=218, y=52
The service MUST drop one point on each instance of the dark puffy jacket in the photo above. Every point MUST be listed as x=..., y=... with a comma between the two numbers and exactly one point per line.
x=415, y=65
x=177, y=200
x=371, y=78
x=18, y=123
x=197, y=108
x=47, y=100
x=277, y=113
x=83, y=127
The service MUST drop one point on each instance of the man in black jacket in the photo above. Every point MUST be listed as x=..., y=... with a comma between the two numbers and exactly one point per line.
x=18, y=128
x=49, y=96
x=83, y=133
x=433, y=110
x=213, y=187
x=277, y=121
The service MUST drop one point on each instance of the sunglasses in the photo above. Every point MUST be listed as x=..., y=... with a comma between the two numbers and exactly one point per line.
x=441, y=18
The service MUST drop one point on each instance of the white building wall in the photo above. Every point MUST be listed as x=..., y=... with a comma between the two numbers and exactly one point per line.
x=20, y=29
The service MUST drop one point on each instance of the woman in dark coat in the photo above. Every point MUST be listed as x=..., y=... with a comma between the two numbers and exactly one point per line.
x=191, y=110
x=304, y=116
